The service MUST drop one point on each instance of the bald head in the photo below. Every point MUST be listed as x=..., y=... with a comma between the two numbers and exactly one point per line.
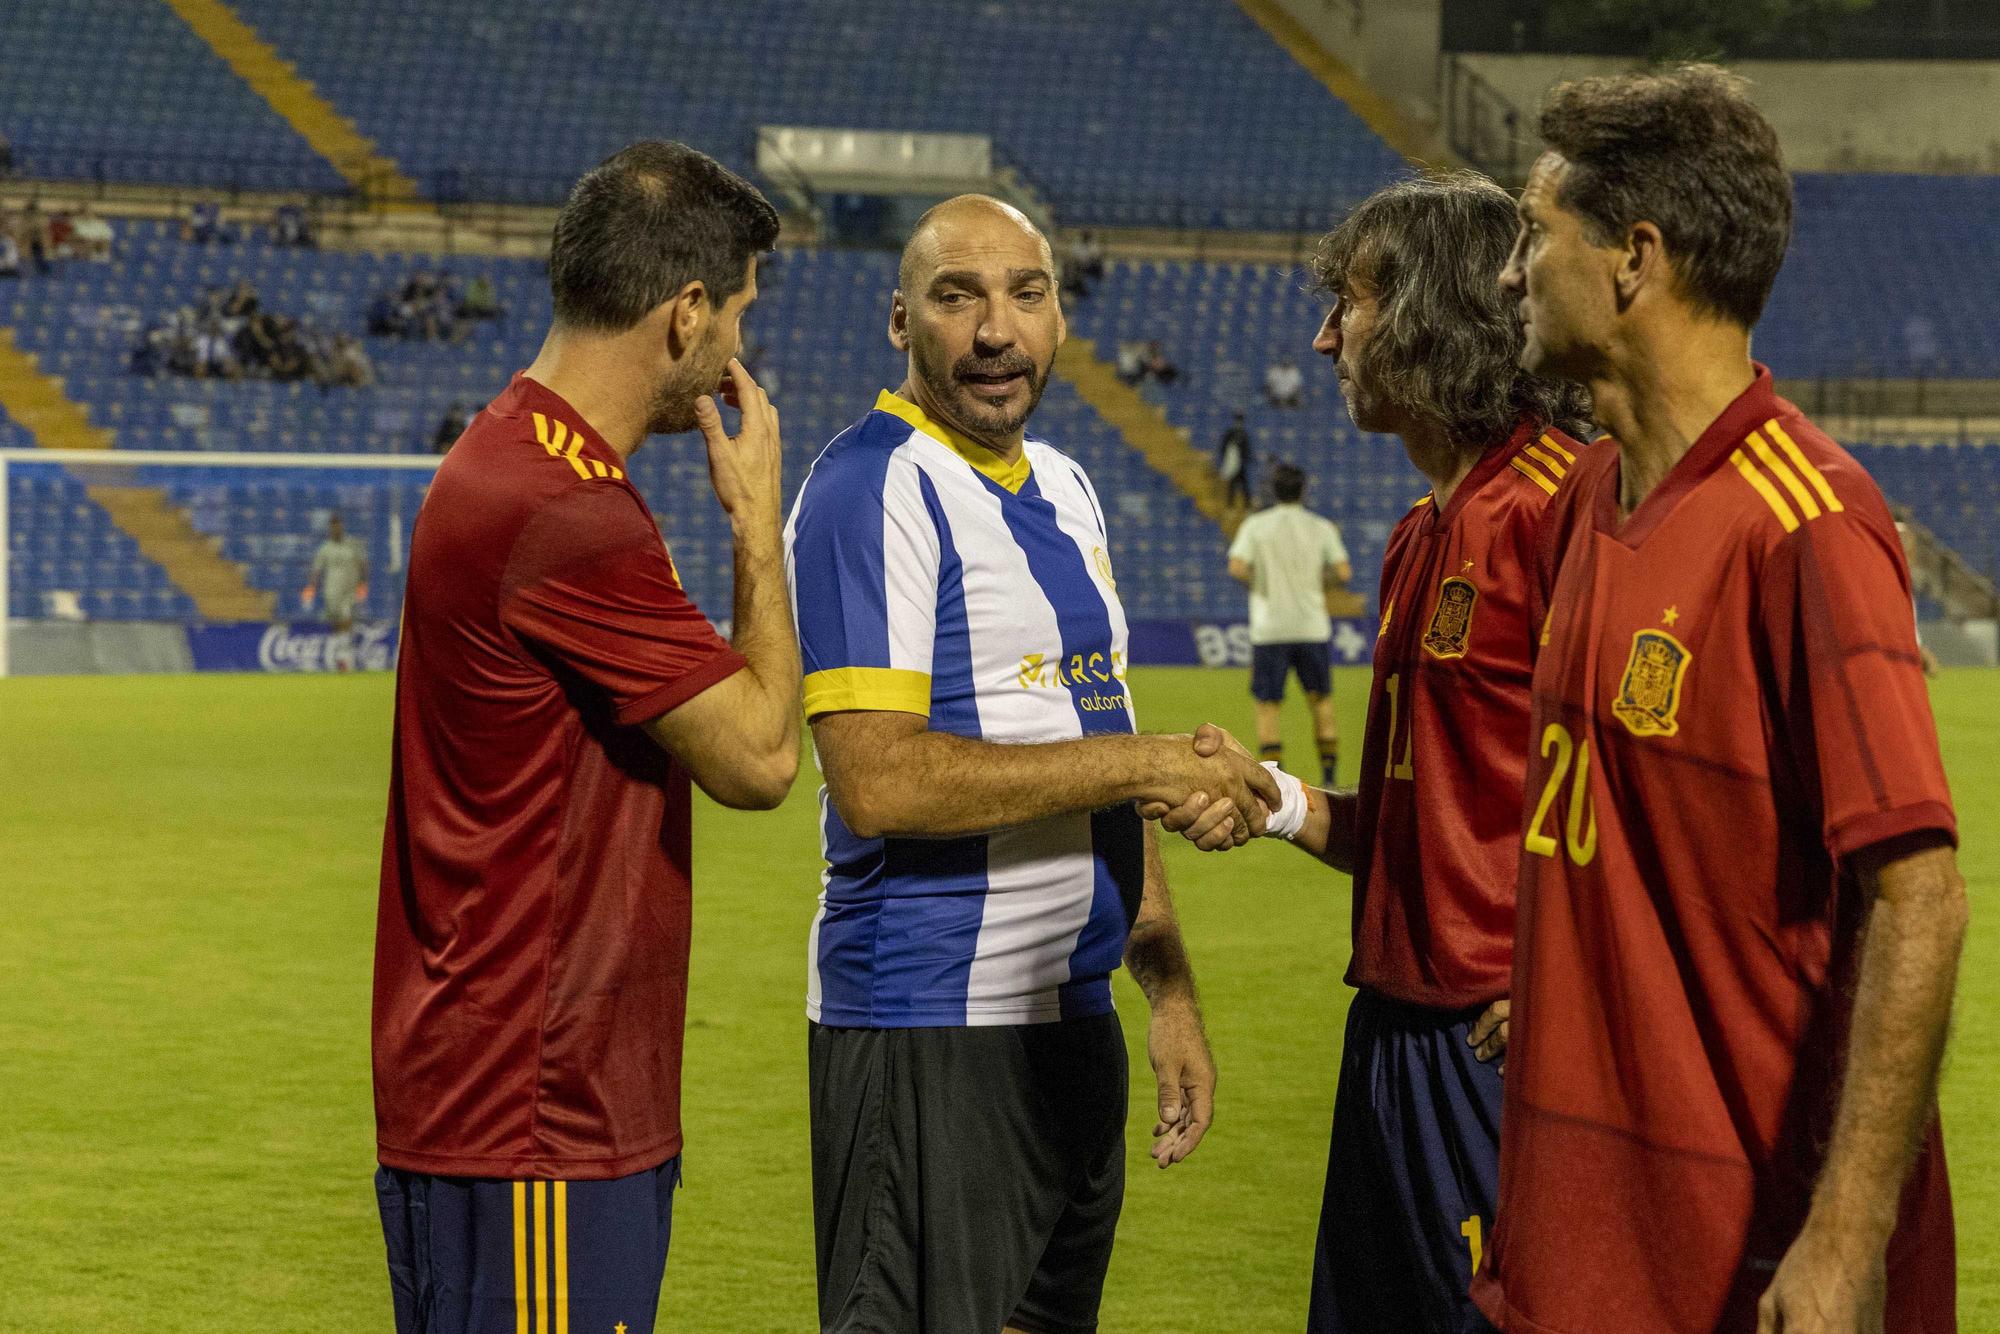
x=976, y=309
x=965, y=225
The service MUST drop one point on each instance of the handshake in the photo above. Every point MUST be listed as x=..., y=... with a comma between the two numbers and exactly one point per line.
x=1216, y=795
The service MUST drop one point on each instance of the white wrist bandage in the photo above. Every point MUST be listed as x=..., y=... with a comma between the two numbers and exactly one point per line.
x=1290, y=817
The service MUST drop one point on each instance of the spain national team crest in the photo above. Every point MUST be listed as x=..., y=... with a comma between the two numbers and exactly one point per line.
x=1451, y=623
x=1650, y=694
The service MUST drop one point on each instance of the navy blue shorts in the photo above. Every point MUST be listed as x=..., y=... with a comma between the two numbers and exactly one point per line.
x=1271, y=663
x=1411, y=1175
x=478, y=1256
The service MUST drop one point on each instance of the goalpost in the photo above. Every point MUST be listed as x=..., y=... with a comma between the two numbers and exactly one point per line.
x=134, y=560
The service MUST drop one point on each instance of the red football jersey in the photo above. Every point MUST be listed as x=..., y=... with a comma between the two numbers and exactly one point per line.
x=532, y=943
x=1446, y=749
x=1728, y=705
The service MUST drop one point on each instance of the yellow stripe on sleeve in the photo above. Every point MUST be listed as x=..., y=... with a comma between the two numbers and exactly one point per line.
x=880, y=689
x=1807, y=505
x=1549, y=442
x=1805, y=466
x=542, y=432
x=1532, y=473
x=1764, y=488
x=1545, y=460
x=521, y=1253
x=541, y=1255
x=575, y=455
x=562, y=1257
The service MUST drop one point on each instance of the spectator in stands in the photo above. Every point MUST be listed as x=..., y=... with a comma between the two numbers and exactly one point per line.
x=1085, y=265
x=291, y=227
x=33, y=232
x=1284, y=385
x=347, y=364
x=450, y=427
x=92, y=236
x=10, y=252
x=62, y=235
x=1157, y=364
x=241, y=302
x=6, y=158
x=1131, y=361
x=204, y=225
x=1232, y=461
x=481, y=301
x=214, y=354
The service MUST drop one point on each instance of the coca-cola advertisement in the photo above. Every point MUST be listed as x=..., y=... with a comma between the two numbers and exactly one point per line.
x=255, y=646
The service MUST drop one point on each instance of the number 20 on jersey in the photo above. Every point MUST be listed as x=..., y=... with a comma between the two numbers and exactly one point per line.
x=1579, y=831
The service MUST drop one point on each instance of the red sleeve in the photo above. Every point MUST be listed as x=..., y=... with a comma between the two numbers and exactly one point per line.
x=589, y=589
x=1850, y=682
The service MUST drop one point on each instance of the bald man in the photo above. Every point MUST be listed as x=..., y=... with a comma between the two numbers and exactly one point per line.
x=986, y=867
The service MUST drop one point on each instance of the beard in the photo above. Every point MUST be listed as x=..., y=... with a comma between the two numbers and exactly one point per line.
x=673, y=401
x=976, y=414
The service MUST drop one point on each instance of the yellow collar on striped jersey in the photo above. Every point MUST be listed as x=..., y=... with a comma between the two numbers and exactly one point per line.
x=1010, y=475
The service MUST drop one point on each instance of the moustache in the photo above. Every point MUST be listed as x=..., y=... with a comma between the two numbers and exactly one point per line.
x=968, y=367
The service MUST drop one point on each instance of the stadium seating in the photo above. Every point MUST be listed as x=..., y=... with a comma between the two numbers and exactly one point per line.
x=1883, y=279
x=821, y=340
x=1146, y=112
x=124, y=90
x=818, y=332
x=58, y=538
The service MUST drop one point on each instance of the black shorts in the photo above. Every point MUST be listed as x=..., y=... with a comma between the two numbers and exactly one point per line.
x=965, y=1179
x=1271, y=663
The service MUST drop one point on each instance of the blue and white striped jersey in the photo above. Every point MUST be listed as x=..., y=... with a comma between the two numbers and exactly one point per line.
x=930, y=578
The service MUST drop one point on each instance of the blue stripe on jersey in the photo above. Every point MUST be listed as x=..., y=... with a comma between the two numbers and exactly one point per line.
x=842, y=603
x=954, y=694
x=1118, y=874
x=900, y=927
x=1081, y=615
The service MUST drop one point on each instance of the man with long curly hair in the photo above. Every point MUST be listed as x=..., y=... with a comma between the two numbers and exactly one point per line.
x=1427, y=348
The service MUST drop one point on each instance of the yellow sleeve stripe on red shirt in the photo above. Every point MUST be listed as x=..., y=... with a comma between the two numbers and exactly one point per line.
x=1804, y=465
x=1549, y=442
x=1762, y=486
x=1532, y=473
x=556, y=436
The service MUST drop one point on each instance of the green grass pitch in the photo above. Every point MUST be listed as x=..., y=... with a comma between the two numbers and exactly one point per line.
x=189, y=896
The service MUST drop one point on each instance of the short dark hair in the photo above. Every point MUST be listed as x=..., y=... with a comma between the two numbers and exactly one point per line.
x=1447, y=340
x=1686, y=150
x=646, y=222
x=1288, y=484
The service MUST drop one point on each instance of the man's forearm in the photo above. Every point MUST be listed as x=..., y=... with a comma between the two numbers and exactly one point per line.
x=939, y=785
x=1154, y=954
x=1902, y=1011
x=763, y=633
x=1329, y=832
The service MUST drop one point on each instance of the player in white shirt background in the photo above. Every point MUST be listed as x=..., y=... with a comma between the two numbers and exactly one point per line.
x=965, y=661
x=1291, y=559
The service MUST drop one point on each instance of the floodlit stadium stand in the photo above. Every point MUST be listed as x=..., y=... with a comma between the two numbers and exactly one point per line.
x=123, y=90
x=1112, y=108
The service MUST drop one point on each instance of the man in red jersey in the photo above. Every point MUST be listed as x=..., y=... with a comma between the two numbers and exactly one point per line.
x=1425, y=348
x=1740, y=913
x=556, y=692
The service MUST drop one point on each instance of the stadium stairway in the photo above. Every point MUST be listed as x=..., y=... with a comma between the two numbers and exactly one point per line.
x=1146, y=429
x=218, y=587
x=37, y=402
x=332, y=135
x=165, y=536
x=1375, y=110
